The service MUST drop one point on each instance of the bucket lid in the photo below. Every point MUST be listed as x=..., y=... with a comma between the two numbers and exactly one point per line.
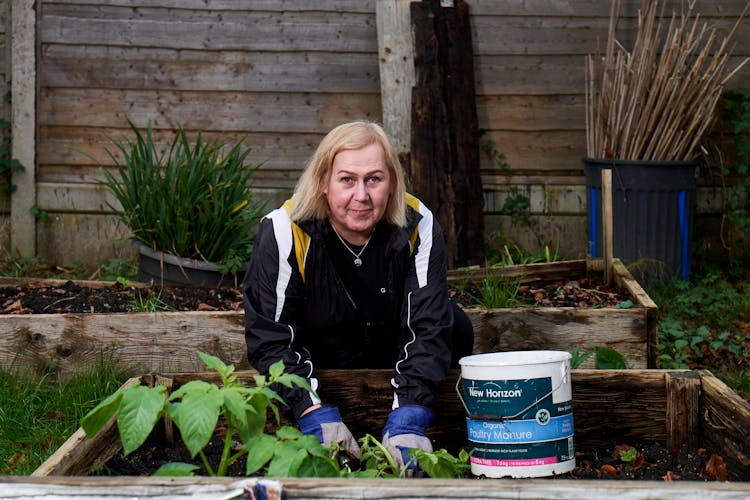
x=514, y=358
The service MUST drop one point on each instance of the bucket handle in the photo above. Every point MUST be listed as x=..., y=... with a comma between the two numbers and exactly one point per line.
x=565, y=372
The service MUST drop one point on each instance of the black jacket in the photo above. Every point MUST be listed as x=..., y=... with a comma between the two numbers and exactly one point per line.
x=298, y=309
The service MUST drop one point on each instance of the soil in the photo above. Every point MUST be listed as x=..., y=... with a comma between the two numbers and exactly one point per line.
x=652, y=462
x=70, y=297
x=73, y=298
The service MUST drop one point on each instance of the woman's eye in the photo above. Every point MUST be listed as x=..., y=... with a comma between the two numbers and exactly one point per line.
x=346, y=180
x=374, y=179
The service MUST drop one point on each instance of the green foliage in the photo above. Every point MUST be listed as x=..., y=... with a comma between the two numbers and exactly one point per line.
x=606, y=358
x=192, y=199
x=37, y=413
x=729, y=155
x=628, y=455
x=705, y=325
x=514, y=255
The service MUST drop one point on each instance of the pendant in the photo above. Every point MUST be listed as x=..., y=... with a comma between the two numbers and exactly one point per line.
x=358, y=262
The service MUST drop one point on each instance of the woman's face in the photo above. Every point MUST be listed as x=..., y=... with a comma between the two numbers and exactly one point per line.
x=358, y=191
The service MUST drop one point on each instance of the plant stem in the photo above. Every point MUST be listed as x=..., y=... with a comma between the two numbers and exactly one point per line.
x=225, y=453
x=204, y=459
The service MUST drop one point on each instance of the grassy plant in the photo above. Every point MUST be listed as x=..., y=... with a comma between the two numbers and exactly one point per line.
x=514, y=255
x=498, y=291
x=38, y=413
x=191, y=199
x=148, y=301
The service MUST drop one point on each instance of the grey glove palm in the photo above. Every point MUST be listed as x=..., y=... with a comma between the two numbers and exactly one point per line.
x=396, y=445
x=325, y=423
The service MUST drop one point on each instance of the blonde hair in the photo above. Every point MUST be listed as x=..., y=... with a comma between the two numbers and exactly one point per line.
x=309, y=201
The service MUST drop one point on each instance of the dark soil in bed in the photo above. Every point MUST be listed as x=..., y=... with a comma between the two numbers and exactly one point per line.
x=70, y=297
x=652, y=462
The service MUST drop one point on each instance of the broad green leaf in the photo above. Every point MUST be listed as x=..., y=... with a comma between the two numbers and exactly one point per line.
x=235, y=403
x=288, y=432
x=315, y=466
x=216, y=364
x=609, y=359
x=276, y=369
x=253, y=421
x=97, y=418
x=196, y=416
x=176, y=469
x=286, y=460
x=260, y=450
x=140, y=409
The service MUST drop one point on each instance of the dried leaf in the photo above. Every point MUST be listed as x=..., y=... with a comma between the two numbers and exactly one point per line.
x=670, y=476
x=205, y=307
x=608, y=469
x=716, y=468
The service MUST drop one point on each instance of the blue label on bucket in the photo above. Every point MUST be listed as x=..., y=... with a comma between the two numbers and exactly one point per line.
x=520, y=431
x=518, y=399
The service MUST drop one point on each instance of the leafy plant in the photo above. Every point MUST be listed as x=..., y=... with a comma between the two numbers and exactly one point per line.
x=192, y=199
x=195, y=409
x=606, y=358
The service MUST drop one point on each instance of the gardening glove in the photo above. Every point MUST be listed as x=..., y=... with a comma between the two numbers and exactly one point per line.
x=325, y=424
x=405, y=429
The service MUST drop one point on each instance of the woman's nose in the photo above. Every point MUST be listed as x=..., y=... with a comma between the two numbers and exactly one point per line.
x=360, y=193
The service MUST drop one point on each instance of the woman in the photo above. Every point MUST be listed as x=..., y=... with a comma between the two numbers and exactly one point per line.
x=351, y=273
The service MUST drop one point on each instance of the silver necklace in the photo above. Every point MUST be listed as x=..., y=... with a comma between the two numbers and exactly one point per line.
x=357, y=260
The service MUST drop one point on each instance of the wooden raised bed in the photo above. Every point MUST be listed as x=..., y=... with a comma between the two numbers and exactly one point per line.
x=169, y=341
x=610, y=407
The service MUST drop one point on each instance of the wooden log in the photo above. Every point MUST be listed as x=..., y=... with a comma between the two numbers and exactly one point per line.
x=444, y=166
x=683, y=393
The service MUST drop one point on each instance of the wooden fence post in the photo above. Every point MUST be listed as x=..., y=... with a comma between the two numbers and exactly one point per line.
x=23, y=125
x=396, y=59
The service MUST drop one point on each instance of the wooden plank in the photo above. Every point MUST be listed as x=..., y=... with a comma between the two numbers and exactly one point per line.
x=562, y=329
x=682, y=421
x=207, y=29
x=155, y=68
x=595, y=8
x=235, y=113
x=725, y=420
x=549, y=74
x=233, y=5
x=153, y=488
x=142, y=342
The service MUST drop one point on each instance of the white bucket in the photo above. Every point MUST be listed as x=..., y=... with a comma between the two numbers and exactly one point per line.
x=519, y=409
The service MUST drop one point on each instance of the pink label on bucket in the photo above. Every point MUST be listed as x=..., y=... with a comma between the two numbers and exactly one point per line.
x=522, y=462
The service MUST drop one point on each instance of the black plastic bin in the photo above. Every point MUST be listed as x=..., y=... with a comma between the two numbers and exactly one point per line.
x=653, y=208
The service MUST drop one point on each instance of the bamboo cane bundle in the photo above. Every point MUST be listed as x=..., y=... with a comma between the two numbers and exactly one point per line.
x=657, y=100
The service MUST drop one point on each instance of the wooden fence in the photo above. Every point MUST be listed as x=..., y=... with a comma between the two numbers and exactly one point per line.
x=280, y=73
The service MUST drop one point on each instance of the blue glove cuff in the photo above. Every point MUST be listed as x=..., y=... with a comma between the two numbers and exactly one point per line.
x=411, y=419
x=311, y=423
